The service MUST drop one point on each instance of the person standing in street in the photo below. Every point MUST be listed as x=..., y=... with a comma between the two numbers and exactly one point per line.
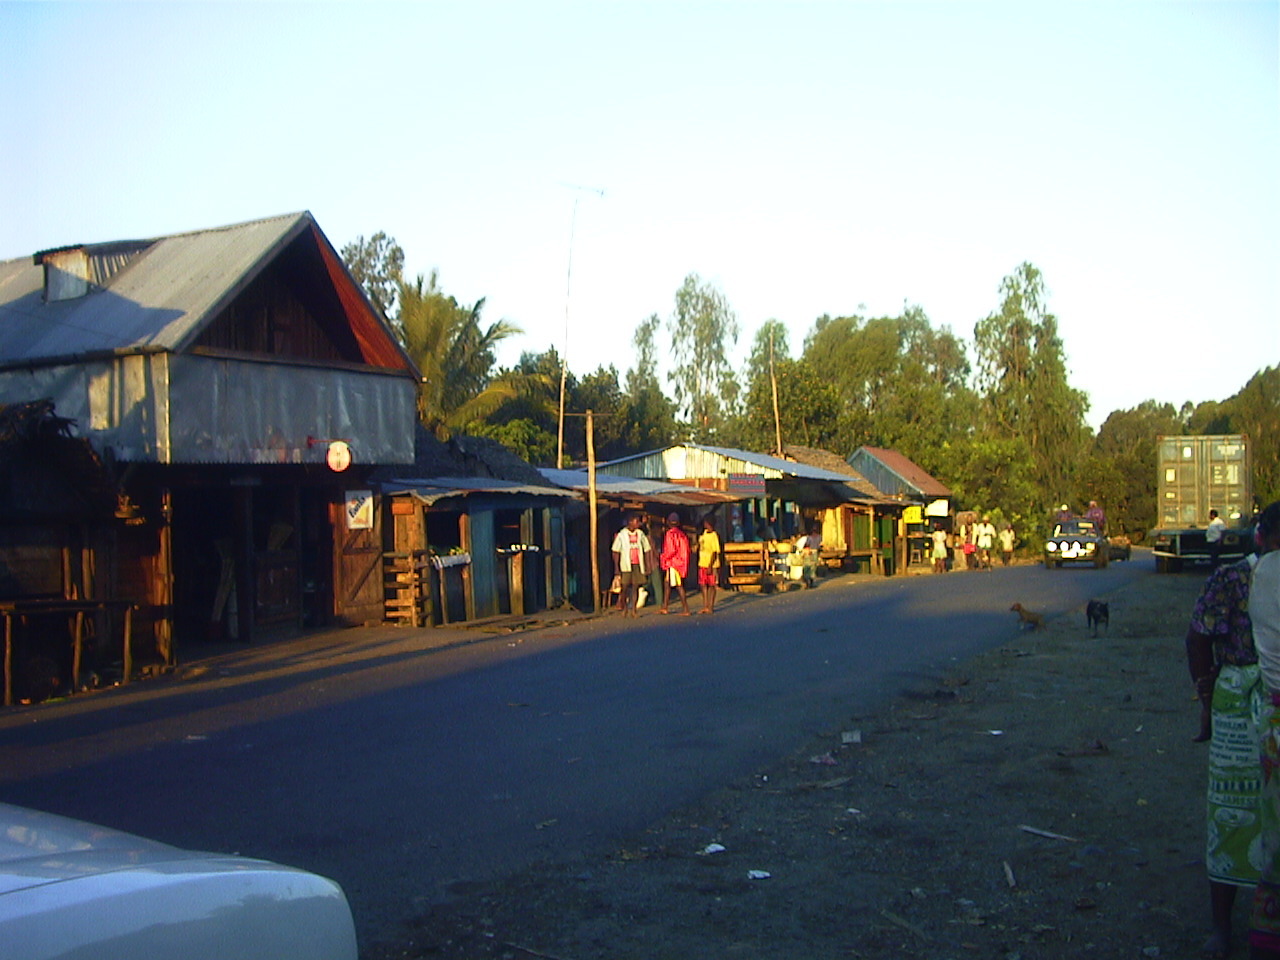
x=985, y=534
x=1223, y=662
x=1264, y=613
x=1213, y=537
x=939, y=554
x=708, y=564
x=674, y=561
x=1006, y=544
x=632, y=562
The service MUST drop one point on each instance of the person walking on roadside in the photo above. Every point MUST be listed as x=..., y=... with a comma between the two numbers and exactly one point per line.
x=939, y=553
x=1264, y=614
x=985, y=534
x=632, y=561
x=1006, y=544
x=1223, y=663
x=708, y=564
x=808, y=547
x=674, y=561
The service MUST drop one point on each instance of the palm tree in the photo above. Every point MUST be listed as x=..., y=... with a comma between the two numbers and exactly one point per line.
x=455, y=355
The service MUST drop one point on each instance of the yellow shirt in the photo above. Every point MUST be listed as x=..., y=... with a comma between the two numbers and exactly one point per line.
x=708, y=549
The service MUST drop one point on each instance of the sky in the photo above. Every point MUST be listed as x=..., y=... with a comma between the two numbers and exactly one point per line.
x=573, y=163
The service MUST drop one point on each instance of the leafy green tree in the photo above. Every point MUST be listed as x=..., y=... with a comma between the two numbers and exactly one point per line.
x=902, y=384
x=524, y=437
x=537, y=401
x=702, y=328
x=808, y=409
x=600, y=393
x=455, y=355
x=377, y=265
x=526, y=421
x=1255, y=412
x=993, y=475
x=1022, y=378
x=1120, y=471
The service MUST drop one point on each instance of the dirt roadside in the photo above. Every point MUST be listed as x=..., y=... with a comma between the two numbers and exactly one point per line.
x=1042, y=801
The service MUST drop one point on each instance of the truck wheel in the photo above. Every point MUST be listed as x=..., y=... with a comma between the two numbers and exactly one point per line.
x=1048, y=564
x=1162, y=564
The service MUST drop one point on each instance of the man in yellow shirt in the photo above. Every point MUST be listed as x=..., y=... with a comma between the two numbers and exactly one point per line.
x=708, y=564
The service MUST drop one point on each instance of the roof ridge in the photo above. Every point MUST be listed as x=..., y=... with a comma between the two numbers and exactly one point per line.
x=152, y=240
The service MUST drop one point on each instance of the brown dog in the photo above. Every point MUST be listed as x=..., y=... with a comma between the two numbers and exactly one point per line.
x=1027, y=618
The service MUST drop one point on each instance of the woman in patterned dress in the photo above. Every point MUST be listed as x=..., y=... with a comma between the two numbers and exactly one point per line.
x=1224, y=667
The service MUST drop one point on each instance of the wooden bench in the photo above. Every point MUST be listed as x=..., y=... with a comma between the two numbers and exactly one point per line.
x=747, y=565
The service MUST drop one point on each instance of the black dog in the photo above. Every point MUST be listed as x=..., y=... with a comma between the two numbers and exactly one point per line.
x=1097, y=612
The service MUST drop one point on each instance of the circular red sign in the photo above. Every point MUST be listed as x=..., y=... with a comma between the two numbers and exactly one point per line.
x=338, y=457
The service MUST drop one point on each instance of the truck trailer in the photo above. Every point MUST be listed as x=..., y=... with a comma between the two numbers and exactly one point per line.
x=1196, y=475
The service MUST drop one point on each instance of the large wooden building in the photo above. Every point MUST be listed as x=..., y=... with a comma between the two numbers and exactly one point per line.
x=221, y=376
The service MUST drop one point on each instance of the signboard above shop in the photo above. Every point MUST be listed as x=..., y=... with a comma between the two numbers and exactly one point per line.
x=747, y=484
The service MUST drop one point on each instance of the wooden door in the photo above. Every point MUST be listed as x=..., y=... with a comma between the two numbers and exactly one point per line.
x=357, y=568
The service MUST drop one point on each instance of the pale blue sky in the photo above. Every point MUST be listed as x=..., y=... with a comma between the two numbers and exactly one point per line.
x=805, y=158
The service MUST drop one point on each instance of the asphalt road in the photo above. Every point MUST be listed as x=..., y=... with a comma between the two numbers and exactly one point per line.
x=407, y=771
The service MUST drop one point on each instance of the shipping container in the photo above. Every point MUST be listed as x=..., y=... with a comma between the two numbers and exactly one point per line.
x=1196, y=475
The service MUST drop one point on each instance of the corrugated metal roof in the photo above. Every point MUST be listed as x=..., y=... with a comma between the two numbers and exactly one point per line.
x=440, y=488
x=909, y=471
x=635, y=488
x=148, y=296
x=157, y=302
x=826, y=460
x=733, y=461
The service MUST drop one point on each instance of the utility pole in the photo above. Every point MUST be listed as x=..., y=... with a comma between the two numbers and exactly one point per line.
x=773, y=381
x=591, y=507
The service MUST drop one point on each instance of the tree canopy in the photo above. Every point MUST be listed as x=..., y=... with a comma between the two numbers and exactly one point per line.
x=1005, y=431
x=455, y=354
x=703, y=327
x=377, y=265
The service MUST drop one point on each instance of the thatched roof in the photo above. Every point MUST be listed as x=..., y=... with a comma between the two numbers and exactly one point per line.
x=45, y=472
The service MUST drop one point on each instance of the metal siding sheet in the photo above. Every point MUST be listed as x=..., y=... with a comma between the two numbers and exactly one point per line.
x=247, y=412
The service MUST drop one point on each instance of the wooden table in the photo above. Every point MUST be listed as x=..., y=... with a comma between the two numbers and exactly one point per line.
x=9, y=609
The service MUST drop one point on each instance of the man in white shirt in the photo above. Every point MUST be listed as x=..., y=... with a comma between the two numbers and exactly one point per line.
x=1213, y=536
x=632, y=561
x=985, y=535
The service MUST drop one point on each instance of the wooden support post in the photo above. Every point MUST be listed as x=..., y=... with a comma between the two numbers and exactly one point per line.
x=243, y=553
x=8, y=659
x=164, y=581
x=128, y=644
x=468, y=591
x=77, y=652
x=516, y=570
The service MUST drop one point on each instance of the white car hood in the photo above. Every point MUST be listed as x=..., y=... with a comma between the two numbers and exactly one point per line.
x=74, y=891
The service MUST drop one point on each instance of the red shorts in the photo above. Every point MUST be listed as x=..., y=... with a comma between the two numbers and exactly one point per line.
x=707, y=576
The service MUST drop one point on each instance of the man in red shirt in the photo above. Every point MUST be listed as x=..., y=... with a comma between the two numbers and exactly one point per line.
x=674, y=561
